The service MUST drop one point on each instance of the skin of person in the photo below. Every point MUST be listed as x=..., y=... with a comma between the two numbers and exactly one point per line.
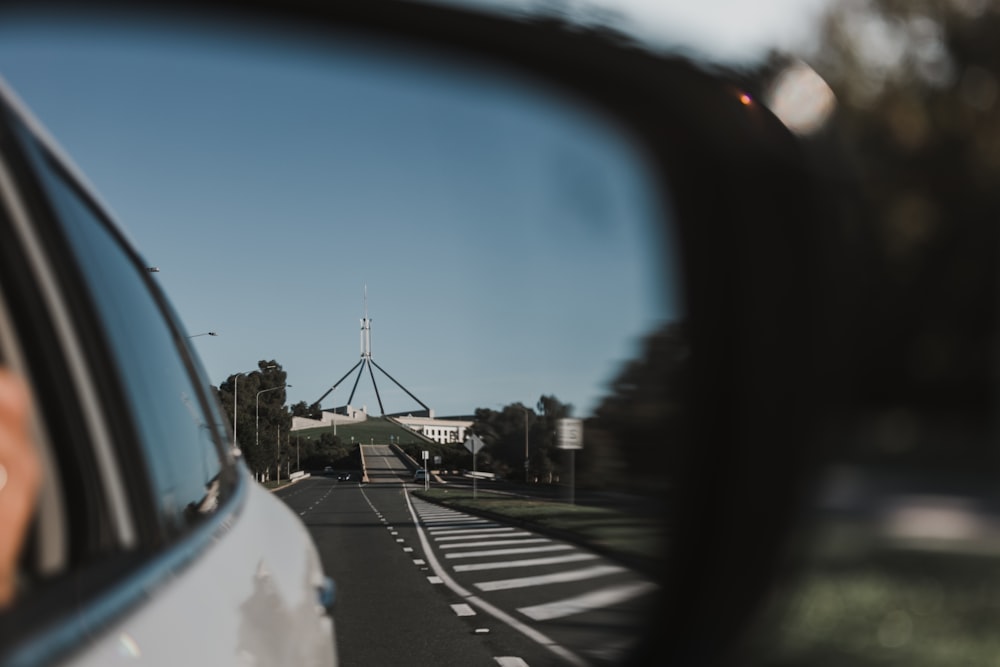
x=20, y=477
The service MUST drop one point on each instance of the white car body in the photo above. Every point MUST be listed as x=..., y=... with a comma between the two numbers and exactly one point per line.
x=249, y=600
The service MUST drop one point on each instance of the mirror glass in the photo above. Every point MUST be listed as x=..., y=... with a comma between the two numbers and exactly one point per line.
x=507, y=246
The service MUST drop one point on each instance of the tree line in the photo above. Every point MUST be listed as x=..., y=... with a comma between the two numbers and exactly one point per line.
x=628, y=440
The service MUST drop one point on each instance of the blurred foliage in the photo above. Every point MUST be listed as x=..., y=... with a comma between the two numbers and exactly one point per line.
x=908, y=169
x=509, y=431
x=905, y=313
x=629, y=442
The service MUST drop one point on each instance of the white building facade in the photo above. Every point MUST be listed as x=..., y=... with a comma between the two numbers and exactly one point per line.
x=443, y=431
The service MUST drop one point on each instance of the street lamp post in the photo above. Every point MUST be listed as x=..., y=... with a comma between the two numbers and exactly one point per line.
x=257, y=412
x=334, y=418
x=526, y=457
x=236, y=387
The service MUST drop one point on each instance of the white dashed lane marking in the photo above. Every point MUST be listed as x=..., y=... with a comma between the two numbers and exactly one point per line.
x=314, y=505
x=463, y=610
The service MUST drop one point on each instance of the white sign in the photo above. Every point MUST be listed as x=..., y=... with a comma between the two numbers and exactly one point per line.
x=427, y=454
x=570, y=433
x=474, y=443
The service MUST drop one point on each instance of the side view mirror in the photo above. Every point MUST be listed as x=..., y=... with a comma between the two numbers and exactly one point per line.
x=558, y=220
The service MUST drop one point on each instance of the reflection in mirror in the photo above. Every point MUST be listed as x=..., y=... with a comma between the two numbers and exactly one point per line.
x=502, y=244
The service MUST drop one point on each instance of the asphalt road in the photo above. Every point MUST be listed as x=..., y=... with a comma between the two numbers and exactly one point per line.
x=424, y=585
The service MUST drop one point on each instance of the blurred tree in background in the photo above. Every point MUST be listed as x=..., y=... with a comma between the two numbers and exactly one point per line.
x=630, y=440
x=260, y=392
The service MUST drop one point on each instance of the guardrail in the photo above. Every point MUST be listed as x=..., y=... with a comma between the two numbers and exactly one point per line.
x=406, y=457
x=364, y=468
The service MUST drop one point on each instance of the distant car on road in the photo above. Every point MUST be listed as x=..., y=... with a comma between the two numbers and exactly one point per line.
x=344, y=476
x=420, y=475
x=327, y=469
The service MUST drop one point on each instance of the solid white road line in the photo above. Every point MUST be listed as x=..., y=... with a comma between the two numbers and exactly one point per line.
x=509, y=552
x=588, y=601
x=525, y=562
x=556, y=578
x=510, y=661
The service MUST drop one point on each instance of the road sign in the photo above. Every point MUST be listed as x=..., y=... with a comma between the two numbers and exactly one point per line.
x=570, y=433
x=474, y=443
x=427, y=454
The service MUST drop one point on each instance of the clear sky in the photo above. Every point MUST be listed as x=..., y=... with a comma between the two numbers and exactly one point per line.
x=509, y=239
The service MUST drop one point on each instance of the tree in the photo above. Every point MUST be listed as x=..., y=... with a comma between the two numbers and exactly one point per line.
x=259, y=392
x=504, y=435
x=636, y=430
x=302, y=409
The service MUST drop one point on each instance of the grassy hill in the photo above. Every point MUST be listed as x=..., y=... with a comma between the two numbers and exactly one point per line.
x=375, y=430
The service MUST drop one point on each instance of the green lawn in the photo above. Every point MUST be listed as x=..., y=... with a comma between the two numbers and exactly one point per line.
x=375, y=429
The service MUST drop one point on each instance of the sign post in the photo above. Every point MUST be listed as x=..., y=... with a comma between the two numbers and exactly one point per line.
x=570, y=436
x=426, y=456
x=474, y=443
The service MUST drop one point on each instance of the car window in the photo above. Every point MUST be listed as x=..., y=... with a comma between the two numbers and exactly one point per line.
x=179, y=442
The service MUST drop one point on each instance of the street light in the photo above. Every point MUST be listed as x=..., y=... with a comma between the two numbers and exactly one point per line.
x=526, y=457
x=236, y=387
x=207, y=333
x=257, y=410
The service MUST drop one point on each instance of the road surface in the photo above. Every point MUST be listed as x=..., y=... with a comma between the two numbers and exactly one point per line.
x=419, y=584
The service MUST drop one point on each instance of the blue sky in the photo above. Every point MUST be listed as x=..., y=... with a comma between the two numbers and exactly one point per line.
x=509, y=239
